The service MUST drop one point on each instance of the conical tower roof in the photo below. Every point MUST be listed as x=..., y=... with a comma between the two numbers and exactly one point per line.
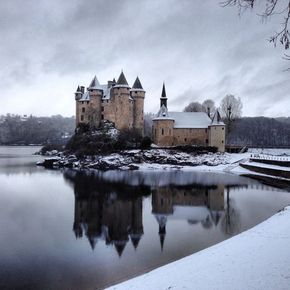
x=122, y=80
x=137, y=84
x=163, y=94
x=78, y=90
x=93, y=242
x=94, y=83
x=217, y=120
x=135, y=241
x=120, y=246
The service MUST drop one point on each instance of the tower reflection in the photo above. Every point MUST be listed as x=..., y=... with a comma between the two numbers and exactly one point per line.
x=112, y=212
x=196, y=204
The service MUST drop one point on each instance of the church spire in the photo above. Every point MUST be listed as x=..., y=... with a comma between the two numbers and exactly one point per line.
x=163, y=99
x=162, y=233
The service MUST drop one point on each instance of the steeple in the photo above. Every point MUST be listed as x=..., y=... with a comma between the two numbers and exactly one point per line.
x=162, y=233
x=163, y=99
x=122, y=80
x=137, y=84
x=162, y=219
x=94, y=83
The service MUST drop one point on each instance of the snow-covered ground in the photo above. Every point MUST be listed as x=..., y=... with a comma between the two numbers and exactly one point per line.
x=255, y=259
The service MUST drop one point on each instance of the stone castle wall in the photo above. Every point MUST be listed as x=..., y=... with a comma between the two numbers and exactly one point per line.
x=190, y=136
x=121, y=109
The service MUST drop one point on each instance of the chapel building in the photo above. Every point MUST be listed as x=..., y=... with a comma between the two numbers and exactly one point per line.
x=187, y=128
x=116, y=102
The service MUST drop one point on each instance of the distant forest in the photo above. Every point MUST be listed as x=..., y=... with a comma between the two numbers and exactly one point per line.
x=260, y=132
x=25, y=130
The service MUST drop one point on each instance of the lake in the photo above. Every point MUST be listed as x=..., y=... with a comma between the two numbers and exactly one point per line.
x=90, y=229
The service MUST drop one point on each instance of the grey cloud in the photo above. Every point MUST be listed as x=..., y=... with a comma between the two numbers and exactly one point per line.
x=200, y=49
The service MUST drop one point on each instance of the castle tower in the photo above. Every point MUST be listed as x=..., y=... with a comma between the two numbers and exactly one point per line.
x=137, y=222
x=163, y=124
x=138, y=95
x=217, y=132
x=94, y=109
x=78, y=96
x=123, y=104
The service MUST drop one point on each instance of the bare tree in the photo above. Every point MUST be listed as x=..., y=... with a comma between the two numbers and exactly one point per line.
x=231, y=109
x=271, y=8
x=148, y=122
x=194, y=107
x=209, y=106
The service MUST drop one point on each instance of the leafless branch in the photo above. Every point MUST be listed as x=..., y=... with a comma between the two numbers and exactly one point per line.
x=282, y=36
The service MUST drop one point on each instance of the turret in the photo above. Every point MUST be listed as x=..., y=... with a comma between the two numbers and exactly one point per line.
x=123, y=104
x=163, y=125
x=163, y=99
x=96, y=94
x=138, y=95
x=78, y=93
x=217, y=132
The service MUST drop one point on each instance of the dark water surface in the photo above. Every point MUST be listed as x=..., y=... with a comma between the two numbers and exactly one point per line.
x=82, y=230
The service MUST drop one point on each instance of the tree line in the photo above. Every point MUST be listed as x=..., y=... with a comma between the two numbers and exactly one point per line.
x=25, y=130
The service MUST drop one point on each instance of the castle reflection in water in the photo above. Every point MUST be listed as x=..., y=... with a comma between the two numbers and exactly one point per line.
x=112, y=212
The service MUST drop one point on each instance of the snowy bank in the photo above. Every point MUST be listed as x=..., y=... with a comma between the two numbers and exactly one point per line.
x=255, y=259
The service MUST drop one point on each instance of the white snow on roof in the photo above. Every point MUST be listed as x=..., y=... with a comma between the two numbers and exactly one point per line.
x=85, y=97
x=104, y=88
x=190, y=119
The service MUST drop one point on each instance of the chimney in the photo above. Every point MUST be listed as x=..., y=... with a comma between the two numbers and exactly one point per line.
x=83, y=89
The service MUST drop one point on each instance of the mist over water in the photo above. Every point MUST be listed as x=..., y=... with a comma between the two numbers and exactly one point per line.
x=87, y=229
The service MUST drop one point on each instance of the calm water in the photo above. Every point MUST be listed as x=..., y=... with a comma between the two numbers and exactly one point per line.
x=81, y=230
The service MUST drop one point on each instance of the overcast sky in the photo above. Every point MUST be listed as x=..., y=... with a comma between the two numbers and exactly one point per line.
x=198, y=48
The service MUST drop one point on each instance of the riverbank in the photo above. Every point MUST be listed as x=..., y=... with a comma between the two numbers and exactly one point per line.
x=255, y=259
x=147, y=159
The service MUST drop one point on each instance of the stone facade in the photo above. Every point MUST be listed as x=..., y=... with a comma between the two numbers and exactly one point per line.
x=116, y=102
x=187, y=128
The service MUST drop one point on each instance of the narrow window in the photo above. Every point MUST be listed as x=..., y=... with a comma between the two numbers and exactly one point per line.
x=102, y=117
x=162, y=131
x=102, y=109
x=223, y=128
x=222, y=141
x=82, y=117
x=83, y=110
x=206, y=141
x=185, y=139
x=205, y=130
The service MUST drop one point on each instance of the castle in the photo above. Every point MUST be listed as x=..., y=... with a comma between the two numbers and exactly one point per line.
x=122, y=105
x=115, y=101
x=187, y=128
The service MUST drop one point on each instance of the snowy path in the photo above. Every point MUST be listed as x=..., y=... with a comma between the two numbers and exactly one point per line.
x=256, y=259
x=235, y=164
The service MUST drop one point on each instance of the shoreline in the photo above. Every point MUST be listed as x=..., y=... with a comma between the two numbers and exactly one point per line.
x=254, y=259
